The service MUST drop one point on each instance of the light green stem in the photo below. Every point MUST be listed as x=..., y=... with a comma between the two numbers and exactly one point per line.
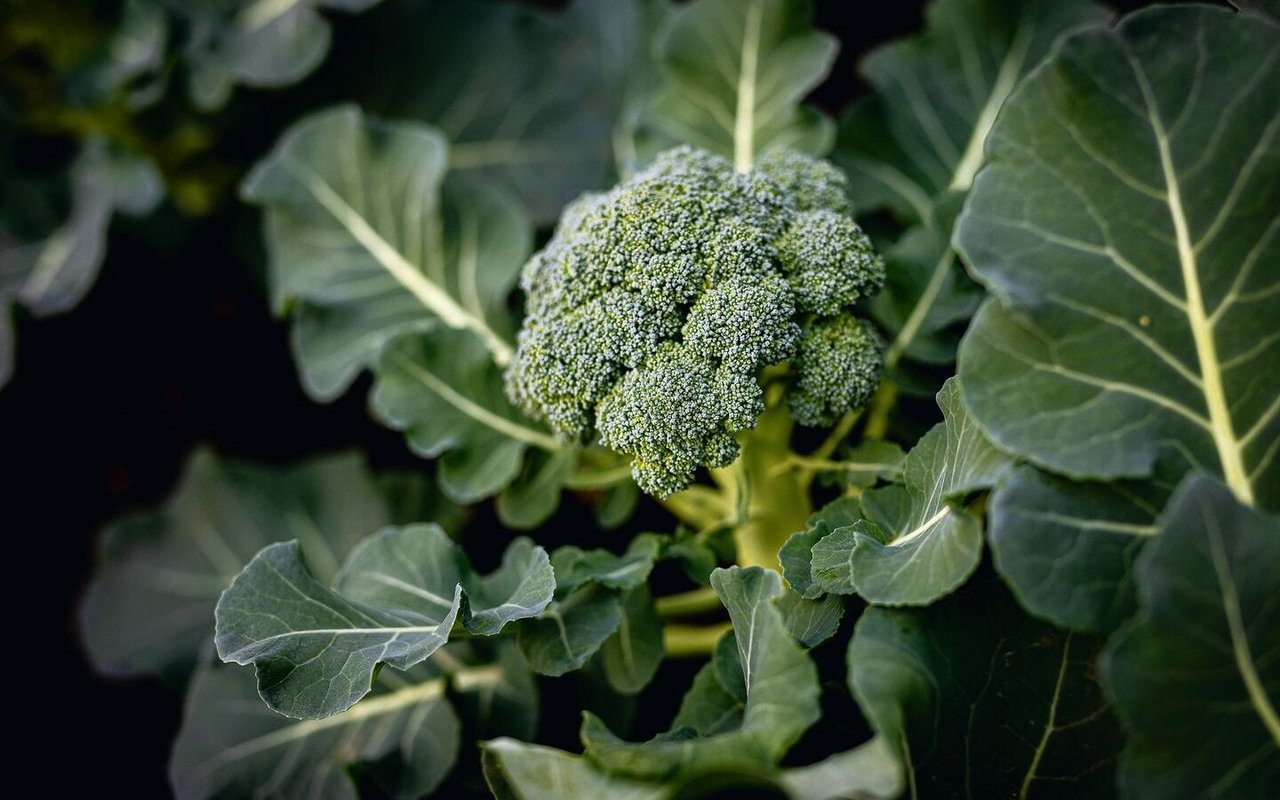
x=687, y=604
x=687, y=641
x=769, y=506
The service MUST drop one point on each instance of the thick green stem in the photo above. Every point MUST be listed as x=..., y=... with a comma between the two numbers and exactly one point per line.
x=687, y=604
x=769, y=506
x=699, y=507
x=686, y=641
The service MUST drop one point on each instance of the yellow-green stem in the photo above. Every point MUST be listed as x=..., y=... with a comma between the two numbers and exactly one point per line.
x=687, y=604
x=769, y=507
x=699, y=507
x=686, y=641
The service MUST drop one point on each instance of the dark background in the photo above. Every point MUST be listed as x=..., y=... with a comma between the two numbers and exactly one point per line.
x=175, y=347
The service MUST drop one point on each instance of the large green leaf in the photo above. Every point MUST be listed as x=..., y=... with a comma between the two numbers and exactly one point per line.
x=444, y=392
x=385, y=270
x=630, y=570
x=914, y=144
x=360, y=236
x=979, y=700
x=935, y=97
x=735, y=72
x=916, y=544
x=1126, y=224
x=316, y=649
x=528, y=98
x=1066, y=548
x=258, y=43
x=150, y=606
x=231, y=745
x=1196, y=675
x=779, y=680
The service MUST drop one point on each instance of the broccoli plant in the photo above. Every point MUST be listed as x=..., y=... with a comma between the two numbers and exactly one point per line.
x=930, y=453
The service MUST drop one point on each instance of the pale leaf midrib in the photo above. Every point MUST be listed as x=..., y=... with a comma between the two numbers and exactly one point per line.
x=744, y=116
x=1001, y=88
x=920, y=311
x=961, y=180
x=482, y=415
x=1230, y=451
x=432, y=296
x=370, y=708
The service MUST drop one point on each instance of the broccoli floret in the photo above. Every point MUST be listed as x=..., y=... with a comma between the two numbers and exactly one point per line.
x=655, y=306
x=829, y=262
x=837, y=368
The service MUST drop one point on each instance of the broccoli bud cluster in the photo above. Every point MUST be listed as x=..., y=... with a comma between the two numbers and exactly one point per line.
x=655, y=306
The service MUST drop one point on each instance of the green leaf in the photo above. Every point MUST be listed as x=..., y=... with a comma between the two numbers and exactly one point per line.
x=632, y=655
x=401, y=567
x=925, y=296
x=231, y=745
x=1067, y=548
x=316, y=649
x=1195, y=676
x=919, y=543
x=868, y=772
x=734, y=75
x=862, y=465
x=258, y=43
x=935, y=97
x=361, y=237
x=811, y=622
x=780, y=682
x=570, y=631
x=1158, y=179
x=518, y=771
x=796, y=555
x=709, y=708
x=915, y=143
x=150, y=606
x=575, y=566
x=443, y=391
x=979, y=700
x=616, y=505
x=526, y=98
x=385, y=271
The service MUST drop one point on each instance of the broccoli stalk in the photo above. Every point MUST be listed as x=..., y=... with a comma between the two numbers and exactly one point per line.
x=689, y=316
x=769, y=505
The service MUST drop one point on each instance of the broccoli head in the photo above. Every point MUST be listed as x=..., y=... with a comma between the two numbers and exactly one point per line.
x=655, y=306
